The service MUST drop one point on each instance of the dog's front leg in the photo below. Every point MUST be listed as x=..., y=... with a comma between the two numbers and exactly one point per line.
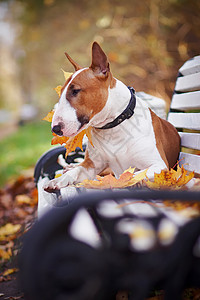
x=88, y=169
x=72, y=176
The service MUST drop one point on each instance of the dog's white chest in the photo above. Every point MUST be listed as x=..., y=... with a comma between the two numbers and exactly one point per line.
x=132, y=143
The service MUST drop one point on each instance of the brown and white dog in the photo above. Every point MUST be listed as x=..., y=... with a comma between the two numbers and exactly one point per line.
x=93, y=97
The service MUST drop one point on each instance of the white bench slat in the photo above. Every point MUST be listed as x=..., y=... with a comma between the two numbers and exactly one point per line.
x=188, y=83
x=191, y=66
x=184, y=101
x=185, y=120
x=190, y=140
x=191, y=162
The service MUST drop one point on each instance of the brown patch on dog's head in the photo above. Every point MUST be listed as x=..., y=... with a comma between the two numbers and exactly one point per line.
x=87, y=92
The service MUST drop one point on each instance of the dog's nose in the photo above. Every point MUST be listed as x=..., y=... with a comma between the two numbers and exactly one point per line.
x=57, y=130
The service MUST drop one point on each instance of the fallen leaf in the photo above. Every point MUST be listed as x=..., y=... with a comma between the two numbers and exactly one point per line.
x=8, y=230
x=170, y=179
x=109, y=181
x=24, y=199
x=5, y=254
x=10, y=271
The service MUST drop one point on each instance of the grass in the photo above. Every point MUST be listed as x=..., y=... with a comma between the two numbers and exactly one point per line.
x=22, y=149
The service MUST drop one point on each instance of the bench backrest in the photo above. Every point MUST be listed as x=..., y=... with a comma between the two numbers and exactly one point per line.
x=185, y=113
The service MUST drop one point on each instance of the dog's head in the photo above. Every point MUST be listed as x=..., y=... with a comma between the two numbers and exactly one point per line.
x=83, y=95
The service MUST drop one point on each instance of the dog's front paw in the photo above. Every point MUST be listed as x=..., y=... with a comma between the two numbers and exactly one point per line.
x=56, y=184
x=52, y=186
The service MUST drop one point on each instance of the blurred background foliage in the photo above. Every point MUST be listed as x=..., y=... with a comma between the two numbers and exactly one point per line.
x=146, y=42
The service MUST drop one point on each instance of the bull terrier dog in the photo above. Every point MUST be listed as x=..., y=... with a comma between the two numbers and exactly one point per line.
x=125, y=131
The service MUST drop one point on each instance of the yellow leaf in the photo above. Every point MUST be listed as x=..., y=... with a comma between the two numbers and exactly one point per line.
x=67, y=75
x=8, y=230
x=170, y=179
x=5, y=255
x=58, y=90
x=10, y=271
x=184, y=178
x=138, y=177
x=58, y=175
x=24, y=199
x=49, y=116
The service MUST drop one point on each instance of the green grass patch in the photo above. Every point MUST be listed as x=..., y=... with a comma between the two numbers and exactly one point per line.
x=22, y=149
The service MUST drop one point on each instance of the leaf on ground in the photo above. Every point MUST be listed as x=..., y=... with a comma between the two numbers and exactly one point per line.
x=126, y=179
x=170, y=179
x=25, y=200
x=10, y=271
x=8, y=231
x=5, y=254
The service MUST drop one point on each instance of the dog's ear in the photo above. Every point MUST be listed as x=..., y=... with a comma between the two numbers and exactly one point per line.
x=76, y=66
x=100, y=64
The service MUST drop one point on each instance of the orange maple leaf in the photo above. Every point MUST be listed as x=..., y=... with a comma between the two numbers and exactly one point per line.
x=59, y=139
x=170, y=179
x=110, y=182
x=71, y=143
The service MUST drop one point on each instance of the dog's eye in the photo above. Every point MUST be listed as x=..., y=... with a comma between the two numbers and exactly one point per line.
x=75, y=92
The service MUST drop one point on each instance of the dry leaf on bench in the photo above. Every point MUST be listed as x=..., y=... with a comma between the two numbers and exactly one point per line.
x=110, y=182
x=170, y=179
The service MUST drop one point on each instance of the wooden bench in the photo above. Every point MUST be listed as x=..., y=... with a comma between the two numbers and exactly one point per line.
x=185, y=113
x=111, y=240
